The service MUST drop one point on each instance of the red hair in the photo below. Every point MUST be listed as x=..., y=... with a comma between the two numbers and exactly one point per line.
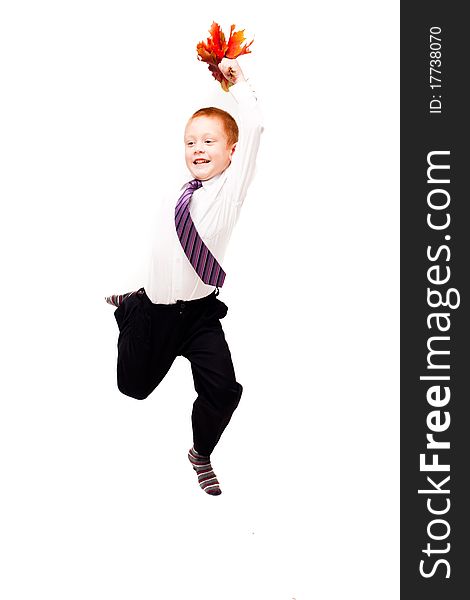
x=229, y=123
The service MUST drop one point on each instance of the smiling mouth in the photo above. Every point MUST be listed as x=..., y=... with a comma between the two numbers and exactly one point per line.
x=200, y=161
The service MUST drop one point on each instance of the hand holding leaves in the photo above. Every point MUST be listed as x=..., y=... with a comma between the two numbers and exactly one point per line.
x=217, y=48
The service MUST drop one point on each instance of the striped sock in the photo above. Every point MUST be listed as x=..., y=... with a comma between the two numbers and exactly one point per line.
x=205, y=474
x=117, y=299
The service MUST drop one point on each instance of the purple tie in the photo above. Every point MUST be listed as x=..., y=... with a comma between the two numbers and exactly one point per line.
x=199, y=255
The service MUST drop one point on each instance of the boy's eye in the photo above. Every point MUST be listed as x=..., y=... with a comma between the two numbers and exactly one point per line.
x=209, y=141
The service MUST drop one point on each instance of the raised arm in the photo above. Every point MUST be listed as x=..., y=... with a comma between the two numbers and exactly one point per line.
x=249, y=120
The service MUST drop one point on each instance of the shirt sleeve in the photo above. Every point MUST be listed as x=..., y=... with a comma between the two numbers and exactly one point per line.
x=242, y=168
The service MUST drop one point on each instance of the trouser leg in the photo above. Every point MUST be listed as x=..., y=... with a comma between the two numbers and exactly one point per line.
x=218, y=392
x=133, y=347
x=152, y=336
x=147, y=345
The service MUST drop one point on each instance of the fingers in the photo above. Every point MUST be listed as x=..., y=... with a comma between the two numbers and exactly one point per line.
x=231, y=70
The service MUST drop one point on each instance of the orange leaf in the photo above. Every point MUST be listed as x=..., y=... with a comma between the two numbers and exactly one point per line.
x=216, y=48
x=235, y=41
x=216, y=42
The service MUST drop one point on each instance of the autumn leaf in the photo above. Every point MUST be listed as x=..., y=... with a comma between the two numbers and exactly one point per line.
x=235, y=41
x=218, y=41
x=215, y=48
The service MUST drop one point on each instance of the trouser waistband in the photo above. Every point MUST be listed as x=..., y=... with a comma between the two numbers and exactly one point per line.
x=179, y=303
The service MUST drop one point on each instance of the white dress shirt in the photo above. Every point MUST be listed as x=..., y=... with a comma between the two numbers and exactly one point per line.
x=214, y=208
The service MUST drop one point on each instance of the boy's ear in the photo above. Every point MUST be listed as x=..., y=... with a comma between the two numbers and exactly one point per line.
x=233, y=149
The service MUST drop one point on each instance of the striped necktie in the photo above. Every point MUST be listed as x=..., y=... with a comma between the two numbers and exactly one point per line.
x=199, y=255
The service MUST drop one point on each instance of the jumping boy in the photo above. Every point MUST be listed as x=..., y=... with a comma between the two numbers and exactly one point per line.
x=178, y=312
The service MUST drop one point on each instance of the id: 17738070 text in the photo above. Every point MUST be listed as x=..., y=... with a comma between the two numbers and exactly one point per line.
x=435, y=70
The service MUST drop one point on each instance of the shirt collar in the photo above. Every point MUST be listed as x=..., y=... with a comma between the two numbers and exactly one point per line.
x=214, y=183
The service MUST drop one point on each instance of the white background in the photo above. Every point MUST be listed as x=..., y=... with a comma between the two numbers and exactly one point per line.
x=98, y=498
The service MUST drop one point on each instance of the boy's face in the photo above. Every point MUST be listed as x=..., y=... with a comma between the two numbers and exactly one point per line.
x=207, y=152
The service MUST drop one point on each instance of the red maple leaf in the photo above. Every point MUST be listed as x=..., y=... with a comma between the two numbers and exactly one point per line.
x=216, y=48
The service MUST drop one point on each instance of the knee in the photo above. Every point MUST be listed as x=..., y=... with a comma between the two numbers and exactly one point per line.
x=231, y=395
x=136, y=393
x=239, y=392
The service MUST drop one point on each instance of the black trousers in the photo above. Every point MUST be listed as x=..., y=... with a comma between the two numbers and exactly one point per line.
x=152, y=335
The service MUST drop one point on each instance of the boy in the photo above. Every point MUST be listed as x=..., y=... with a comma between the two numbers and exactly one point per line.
x=178, y=313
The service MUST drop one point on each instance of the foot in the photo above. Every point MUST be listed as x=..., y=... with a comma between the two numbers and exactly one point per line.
x=205, y=474
x=117, y=299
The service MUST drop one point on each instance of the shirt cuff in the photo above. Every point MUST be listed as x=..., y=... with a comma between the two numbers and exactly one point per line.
x=243, y=93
